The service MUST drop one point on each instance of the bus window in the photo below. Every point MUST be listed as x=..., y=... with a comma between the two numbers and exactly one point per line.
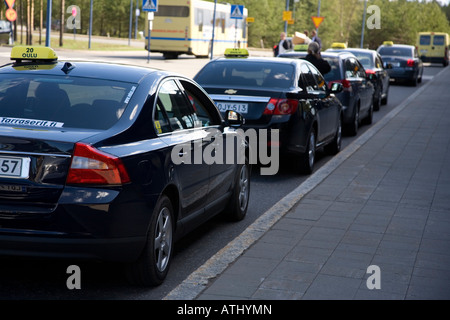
x=172, y=11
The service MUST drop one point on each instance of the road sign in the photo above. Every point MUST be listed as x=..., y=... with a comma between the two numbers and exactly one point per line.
x=11, y=14
x=287, y=15
x=150, y=5
x=237, y=11
x=250, y=19
x=317, y=21
x=10, y=3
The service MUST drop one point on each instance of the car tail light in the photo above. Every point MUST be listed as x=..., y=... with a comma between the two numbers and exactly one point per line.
x=281, y=106
x=370, y=71
x=92, y=166
x=410, y=63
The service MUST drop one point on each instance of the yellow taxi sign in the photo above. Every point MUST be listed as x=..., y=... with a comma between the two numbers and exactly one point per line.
x=20, y=53
x=388, y=43
x=236, y=52
x=301, y=47
x=338, y=45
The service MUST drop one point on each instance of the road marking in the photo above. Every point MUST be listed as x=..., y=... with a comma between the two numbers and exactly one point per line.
x=199, y=280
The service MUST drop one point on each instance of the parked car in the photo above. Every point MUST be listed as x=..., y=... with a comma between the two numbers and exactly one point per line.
x=403, y=61
x=357, y=94
x=5, y=32
x=95, y=162
x=375, y=69
x=289, y=95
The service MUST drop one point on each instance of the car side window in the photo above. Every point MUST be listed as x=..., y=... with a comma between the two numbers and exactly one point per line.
x=206, y=113
x=353, y=69
x=350, y=69
x=361, y=73
x=379, y=62
x=307, y=80
x=320, y=81
x=172, y=103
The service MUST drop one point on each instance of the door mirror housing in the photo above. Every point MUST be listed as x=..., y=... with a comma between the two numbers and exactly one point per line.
x=234, y=119
x=336, y=87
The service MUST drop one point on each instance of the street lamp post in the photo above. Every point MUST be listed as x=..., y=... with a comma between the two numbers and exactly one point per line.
x=49, y=23
x=363, y=24
x=286, y=23
x=90, y=22
x=213, y=30
x=131, y=22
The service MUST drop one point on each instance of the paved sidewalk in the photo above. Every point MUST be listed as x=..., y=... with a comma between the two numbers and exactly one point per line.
x=387, y=204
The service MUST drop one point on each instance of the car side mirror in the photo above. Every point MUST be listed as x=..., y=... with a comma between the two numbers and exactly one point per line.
x=234, y=119
x=336, y=87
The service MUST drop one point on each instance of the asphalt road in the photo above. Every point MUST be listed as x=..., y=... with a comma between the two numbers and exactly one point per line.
x=27, y=279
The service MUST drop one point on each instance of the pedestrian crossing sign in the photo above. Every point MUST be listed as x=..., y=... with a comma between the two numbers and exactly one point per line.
x=237, y=11
x=150, y=5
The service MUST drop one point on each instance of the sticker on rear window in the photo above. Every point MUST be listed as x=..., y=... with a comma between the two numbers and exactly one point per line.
x=130, y=94
x=31, y=122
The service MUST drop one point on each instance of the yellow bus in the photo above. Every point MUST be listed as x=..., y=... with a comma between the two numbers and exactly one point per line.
x=185, y=27
x=434, y=47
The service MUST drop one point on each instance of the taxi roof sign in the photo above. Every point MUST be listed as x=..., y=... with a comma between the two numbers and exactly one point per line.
x=388, y=43
x=338, y=45
x=31, y=53
x=236, y=53
x=301, y=47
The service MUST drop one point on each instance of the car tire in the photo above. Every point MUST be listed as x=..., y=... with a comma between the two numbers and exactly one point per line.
x=236, y=209
x=335, y=146
x=378, y=100
x=384, y=100
x=354, y=126
x=307, y=159
x=369, y=119
x=153, y=265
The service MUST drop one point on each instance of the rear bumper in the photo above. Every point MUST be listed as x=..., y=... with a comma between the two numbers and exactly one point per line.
x=119, y=250
x=88, y=224
x=433, y=59
x=403, y=74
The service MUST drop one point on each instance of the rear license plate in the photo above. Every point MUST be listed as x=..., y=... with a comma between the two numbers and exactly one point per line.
x=238, y=107
x=14, y=167
x=395, y=64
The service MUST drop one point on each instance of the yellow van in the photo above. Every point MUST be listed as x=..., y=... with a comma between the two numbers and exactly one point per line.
x=434, y=47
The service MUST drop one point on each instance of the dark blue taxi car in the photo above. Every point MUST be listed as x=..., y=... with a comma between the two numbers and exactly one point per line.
x=403, y=61
x=358, y=90
x=90, y=162
x=286, y=96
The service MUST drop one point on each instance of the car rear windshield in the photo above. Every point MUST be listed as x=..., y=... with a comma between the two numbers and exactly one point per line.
x=365, y=59
x=396, y=51
x=335, y=72
x=48, y=101
x=247, y=74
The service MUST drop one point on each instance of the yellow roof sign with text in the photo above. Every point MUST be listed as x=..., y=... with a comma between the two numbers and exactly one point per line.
x=33, y=53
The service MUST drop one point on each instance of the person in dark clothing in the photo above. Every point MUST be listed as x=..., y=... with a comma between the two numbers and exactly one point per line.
x=316, y=59
x=315, y=38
